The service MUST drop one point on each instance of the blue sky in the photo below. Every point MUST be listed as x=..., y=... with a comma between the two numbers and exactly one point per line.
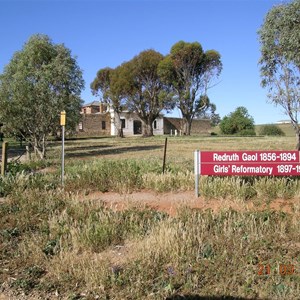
x=107, y=33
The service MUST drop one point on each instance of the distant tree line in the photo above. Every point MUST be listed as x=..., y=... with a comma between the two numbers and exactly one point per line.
x=151, y=82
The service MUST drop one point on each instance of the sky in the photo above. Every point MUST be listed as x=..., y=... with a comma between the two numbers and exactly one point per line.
x=102, y=33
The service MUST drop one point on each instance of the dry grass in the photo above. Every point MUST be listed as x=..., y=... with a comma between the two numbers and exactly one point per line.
x=179, y=149
x=55, y=246
x=85, y=251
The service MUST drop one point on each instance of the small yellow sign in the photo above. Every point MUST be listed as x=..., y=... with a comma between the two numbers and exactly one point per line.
x=63, y=118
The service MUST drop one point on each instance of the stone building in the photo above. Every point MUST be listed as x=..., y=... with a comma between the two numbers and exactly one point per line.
x=99, y=120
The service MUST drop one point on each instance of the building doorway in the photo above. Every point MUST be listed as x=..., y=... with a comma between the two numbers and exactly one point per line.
x=137, y=127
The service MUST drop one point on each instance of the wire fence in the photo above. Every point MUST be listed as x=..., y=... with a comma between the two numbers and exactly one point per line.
x=15, y=154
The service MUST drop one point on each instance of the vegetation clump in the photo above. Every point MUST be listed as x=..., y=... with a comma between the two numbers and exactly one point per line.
x=271, y=130
x=238, y=122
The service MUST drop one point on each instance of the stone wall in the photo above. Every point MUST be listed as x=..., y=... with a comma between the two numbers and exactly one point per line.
x=201, y=127
x=198, y=126
x=94, y=125
x=172, y=124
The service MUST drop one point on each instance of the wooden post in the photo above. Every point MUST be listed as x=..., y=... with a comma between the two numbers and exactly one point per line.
x=4, y=158
x=165, y=153
x=28, y=154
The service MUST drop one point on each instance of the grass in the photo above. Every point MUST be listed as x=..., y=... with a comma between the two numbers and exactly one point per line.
x=54, y=245
x=179, y=149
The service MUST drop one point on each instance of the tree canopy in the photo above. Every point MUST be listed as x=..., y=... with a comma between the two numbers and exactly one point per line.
x=209, y=114
x=189, y=72
x=136, y=86
x=150, y=83
x=40, y=81
x=280, y=59
x=238, y=122
x=147, y=95
x=110, y=84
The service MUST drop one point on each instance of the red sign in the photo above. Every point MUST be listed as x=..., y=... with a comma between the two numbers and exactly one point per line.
x=245, y=163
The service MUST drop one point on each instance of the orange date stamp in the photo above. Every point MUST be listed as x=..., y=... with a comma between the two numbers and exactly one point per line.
x=281, y=270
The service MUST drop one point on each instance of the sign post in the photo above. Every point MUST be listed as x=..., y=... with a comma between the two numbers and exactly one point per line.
x=63, y=124
x=246, y=163
x=197, y=171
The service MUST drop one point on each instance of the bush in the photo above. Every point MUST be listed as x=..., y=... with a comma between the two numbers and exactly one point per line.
x=237, y=122
x=15, y=167
x=272, y=130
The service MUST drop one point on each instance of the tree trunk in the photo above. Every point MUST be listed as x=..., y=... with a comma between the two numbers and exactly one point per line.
x=298, y=141
x=187, y=125
x=118, y=125
x=39, y=147
x=120, y=132
x=147, y=121
x=297, y=130
x=43, y=147
x=147, y=129
x=38, y=152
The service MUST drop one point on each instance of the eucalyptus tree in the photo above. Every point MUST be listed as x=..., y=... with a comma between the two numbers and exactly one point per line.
x=209, y=113
x=110, y=85
x=41, y=80
x=147, y=95
x=189, y=72
x=280, y=59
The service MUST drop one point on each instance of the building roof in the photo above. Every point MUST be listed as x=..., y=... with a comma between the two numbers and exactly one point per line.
x=94, y=103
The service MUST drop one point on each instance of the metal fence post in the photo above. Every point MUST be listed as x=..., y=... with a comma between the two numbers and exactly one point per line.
x=165, y=153
x=63, y=123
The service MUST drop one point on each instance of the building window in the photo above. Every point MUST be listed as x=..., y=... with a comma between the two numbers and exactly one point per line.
x=84, y=110
x=103, y=125
x=155, y=124
x=123, y=123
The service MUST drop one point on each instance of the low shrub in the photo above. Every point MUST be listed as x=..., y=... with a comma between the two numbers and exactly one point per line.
x=271, y=130
x=19, y=182
x=105, y=175
x=15, y=167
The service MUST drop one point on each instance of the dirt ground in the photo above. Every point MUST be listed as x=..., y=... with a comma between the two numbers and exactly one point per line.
x=170, y=202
